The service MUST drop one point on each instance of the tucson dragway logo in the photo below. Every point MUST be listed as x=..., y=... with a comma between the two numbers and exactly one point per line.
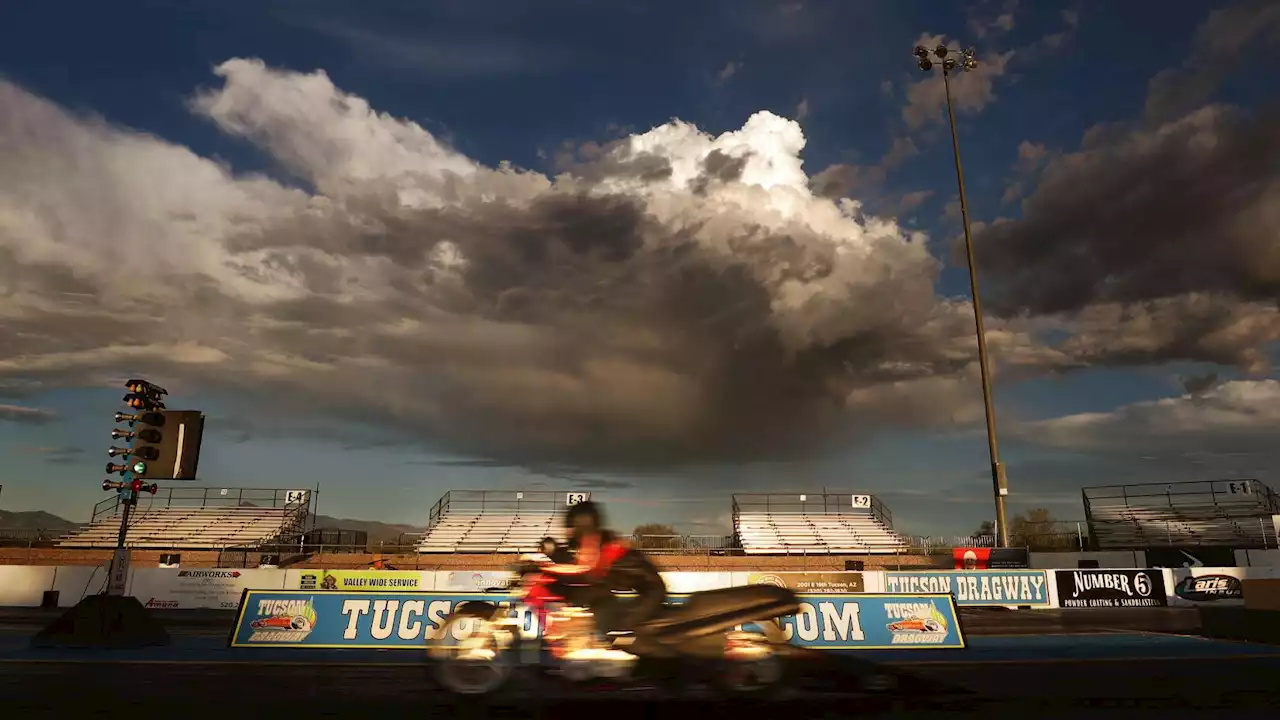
x=915, y=623
x=1012, y=588
x=227, y=574
x=283, y=621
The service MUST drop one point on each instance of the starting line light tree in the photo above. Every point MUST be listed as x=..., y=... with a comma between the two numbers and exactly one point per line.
x=162, y=444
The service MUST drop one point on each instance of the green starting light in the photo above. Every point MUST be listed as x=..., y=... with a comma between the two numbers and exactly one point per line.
x=139, y=468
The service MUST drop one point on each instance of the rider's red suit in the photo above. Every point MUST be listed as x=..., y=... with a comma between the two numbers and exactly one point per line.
x=605, y=564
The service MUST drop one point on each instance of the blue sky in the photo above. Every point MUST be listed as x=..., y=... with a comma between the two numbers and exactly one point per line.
x=1062, y=86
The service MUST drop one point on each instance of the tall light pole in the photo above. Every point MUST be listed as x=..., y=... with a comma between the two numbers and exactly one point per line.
x=1000, y=483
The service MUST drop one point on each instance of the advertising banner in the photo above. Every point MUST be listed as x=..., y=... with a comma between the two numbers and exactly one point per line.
x=364, y=580
x=975, y=588
x=976, y=558
x=178, y=589
x=472, y=580
x=811, y=582
x=1209, y=585
x=1110, y=588
x=372, y=620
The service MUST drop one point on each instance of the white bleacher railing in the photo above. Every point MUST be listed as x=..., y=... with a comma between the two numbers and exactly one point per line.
x=827, y=523
x=493, y=521
x=196, y=518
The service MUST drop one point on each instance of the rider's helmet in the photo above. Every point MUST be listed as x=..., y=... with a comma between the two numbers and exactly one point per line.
x=583, y=518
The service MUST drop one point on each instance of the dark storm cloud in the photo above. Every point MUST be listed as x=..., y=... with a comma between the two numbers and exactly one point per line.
x=1197, y=384
x=1242, y=34
x=1192, y=206
x=670, y=299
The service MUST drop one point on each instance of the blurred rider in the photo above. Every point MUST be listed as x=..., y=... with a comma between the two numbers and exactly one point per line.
x=602, y=564
x=556, y=552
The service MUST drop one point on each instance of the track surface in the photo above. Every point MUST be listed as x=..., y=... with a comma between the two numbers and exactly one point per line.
x=1046, y=664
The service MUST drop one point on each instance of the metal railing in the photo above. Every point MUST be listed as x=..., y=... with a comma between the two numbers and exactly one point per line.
x=825, y=503
x=211, y=497
x=1226, y=503
x=498, y=501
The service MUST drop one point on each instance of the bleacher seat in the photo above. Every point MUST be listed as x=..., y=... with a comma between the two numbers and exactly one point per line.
x=187, y=528
x=1196, y=513
x=483, y=531
x=764, y=532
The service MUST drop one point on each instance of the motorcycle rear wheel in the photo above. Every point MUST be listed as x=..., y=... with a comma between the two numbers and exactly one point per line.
x=759, y=676
x=480, y=664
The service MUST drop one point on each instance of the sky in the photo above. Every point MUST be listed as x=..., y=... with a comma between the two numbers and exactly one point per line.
x=661, y=252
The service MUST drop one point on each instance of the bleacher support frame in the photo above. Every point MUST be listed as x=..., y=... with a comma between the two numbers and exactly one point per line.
x=1186, y=513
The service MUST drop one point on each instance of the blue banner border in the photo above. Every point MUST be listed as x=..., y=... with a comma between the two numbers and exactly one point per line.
x=500, y=597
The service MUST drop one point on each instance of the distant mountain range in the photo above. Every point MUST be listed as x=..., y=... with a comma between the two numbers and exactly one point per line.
x=33, y=520
x=378, y=532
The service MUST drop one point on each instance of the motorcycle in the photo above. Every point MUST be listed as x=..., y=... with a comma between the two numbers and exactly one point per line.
x=731, y=637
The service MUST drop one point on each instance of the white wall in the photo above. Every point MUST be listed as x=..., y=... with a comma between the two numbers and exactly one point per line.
x=1070, y=560
x=1258, y=558
x=23, y=586
x=74, y=582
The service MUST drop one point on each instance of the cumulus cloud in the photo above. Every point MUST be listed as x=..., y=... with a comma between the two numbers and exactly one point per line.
x=673, y=296
x=1238, y=413
x=669, y=297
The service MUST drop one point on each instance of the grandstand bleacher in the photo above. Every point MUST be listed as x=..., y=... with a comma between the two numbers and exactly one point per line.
x=196, y=519
x=494, y=521
x=773, y=524
x=1235, y=513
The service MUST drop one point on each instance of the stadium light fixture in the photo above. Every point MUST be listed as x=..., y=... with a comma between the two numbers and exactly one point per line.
x=966, y=62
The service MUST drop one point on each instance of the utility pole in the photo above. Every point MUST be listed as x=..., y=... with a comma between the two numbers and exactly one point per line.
x=999, y=480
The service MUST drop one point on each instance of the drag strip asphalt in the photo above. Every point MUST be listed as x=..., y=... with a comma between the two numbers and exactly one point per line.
x=1017, y=664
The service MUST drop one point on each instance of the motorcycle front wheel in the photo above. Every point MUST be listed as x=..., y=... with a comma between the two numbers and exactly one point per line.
x=473, y=656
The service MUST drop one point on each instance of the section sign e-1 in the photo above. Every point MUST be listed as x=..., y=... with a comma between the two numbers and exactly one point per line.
x=411, y=620
x=975, y=588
